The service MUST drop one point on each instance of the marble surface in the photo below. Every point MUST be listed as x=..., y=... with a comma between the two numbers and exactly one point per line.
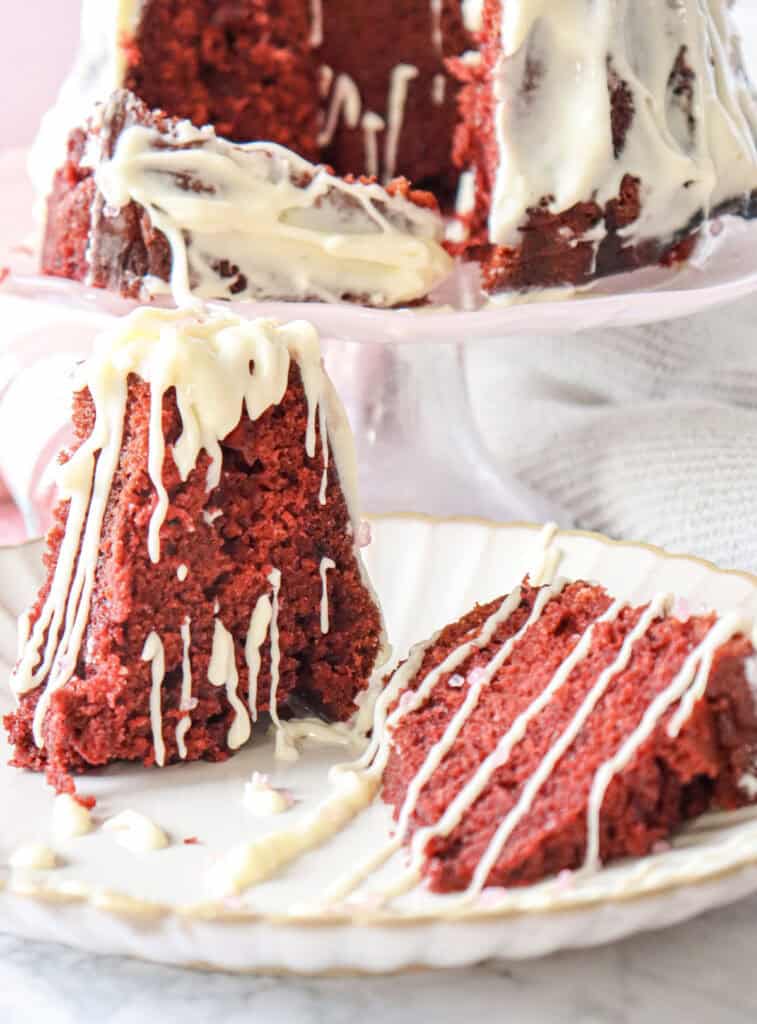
x=699, y=973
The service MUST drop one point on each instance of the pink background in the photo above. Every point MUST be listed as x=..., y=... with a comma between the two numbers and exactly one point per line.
x=37, y=45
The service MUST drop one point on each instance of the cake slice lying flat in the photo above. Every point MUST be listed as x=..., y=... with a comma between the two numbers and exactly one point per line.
x=146, y=203
x=597, y=137
x=203, y=566
x=556, y=729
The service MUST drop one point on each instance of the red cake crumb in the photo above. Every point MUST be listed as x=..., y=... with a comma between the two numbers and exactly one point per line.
x=191, y=841
x=271, y=517
x=667, y=781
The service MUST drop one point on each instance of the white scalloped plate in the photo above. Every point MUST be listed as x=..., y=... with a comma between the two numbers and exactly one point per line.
x=105, y=899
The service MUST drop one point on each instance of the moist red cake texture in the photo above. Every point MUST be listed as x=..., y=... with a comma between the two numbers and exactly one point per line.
x=265, y=514
x=86, y=240
x=667, y=781
x=253, y=70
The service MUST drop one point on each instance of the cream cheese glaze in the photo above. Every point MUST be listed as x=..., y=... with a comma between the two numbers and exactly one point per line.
x=553, y=122
x=294, y=231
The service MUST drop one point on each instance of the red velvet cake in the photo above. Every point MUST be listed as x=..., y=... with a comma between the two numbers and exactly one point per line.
x=145, y=203
x=556, y=729
x=598, y=140
x=203, y=564
x=363, y=87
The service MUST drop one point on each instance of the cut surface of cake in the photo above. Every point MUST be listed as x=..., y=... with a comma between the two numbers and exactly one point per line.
x=203, y=566
x=148, y=204
x=596, y=138
x=555, y=729
x=363, y=87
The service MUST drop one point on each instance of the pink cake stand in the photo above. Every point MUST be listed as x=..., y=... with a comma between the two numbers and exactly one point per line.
x=401, y=373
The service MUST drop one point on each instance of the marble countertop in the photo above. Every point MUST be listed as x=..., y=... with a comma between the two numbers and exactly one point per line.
x=699, y=972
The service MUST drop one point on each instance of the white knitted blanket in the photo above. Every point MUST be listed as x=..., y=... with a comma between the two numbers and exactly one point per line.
x=645, y=433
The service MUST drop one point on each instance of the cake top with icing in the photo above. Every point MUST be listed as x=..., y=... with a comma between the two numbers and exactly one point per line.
x=692, y=116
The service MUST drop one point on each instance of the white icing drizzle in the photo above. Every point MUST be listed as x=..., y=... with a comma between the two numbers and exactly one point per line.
x=682, y=171
x=33, y=856
x=136, y=832
x=256, y=634
x=438, y=89
x=371, y=124
x=70, y=818
x=548, y=557
x=692, y=677
x=473, y=15
x=274, y=578
x=437, y=39
x=465, y=203
x=23, y=632
x=218, y=365
x=222, y=671
x=326, y=564
x=323, y=240
x=185, y=722
x=248, y=863
x=324, y=434
x=345, y=102
x=262, y=799
x=210, y=515
x=154, y=653
x=399, y=82
x=181, y=573
x=316, y=23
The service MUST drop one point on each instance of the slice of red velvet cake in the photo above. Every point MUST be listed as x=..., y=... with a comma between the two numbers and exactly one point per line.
x=557, y=729
x=145, y=203
x=203, y=565
x=598, y=137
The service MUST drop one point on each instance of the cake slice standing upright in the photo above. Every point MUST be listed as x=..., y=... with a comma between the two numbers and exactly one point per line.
x=203, y=566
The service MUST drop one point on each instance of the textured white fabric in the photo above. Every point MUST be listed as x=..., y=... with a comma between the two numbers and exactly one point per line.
x=647, y=433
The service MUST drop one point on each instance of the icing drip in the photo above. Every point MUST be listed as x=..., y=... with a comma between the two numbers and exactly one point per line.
x=87, y=486
x=185, y=705
x=70, y=818
x=294, y=230
x=256, y=634
x=154, y=653
x=222, y=671
x=437, y=40
x=316, y=23
x=458, y=230
x=401, y=77
x=371, y=124
x=565, y=53
x=274, y=579
x=262, y=799
x=473, y=15
x=345, y=102
x=326, y=564
x=438, y=89
x=182, y=573
x=548, y=557
x=33, y=856
x=136, y=832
